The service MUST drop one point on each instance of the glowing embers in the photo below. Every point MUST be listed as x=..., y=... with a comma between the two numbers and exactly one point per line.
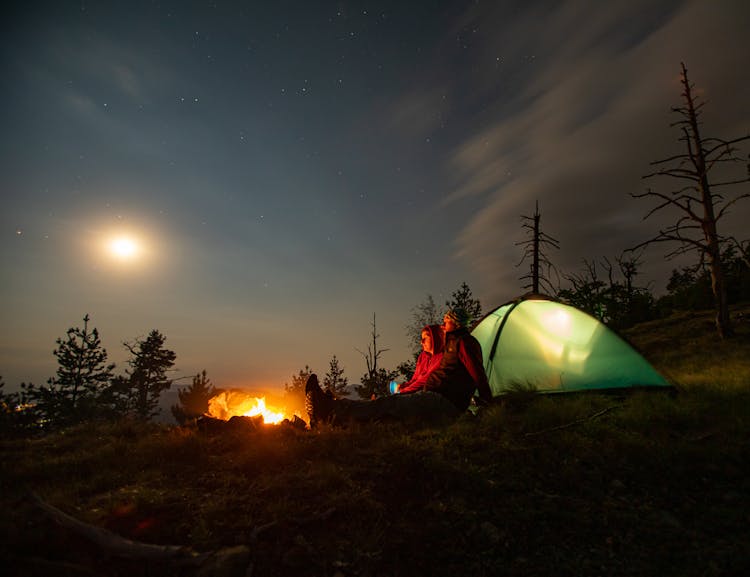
x=228, y=404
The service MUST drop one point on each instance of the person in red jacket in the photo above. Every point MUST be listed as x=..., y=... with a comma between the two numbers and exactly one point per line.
x=412, y=402
x=427, y=398
x=428, y=360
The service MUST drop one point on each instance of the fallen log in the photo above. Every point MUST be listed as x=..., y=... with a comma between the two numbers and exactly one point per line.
x=240, y=424
x=225, y=562
x=114, y=544
x=122, y=556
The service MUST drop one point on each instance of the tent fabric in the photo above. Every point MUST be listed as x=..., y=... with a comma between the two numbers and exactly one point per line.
x=539, y=343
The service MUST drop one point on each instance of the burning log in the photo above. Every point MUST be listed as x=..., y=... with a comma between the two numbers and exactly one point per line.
x=234, y=402
x=213, y=426
x=245, y=423
x=296, y=423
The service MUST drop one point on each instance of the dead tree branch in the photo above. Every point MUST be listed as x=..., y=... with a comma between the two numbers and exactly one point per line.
x=573, y=423
x=112, y=543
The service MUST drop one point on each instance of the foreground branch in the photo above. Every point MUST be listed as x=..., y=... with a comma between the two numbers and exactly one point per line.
x=229, y=561
x=171, y=559
x=112, y=543
x=574, y=423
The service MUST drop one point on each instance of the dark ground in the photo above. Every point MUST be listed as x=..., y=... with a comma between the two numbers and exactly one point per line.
x=641, y=484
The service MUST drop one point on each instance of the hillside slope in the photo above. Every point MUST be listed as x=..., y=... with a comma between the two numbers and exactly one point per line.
x=641, y=484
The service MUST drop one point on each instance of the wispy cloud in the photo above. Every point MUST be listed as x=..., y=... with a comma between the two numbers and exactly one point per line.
x=594, y=112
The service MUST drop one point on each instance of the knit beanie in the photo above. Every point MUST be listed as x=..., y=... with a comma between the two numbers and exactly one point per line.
x=458, y=316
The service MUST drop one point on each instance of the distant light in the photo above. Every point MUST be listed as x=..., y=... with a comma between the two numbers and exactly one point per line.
x=124, y=248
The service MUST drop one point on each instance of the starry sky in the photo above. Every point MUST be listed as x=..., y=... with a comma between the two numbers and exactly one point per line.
x=288, y=169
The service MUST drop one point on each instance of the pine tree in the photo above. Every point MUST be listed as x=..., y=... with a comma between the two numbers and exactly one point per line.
x=425, y=313
x=375, y=383
x=335, y=381
x=297, y=386
x=146, y=379
x=194, y=399
x=463, y=302
x=8, y=404
x=17, y=415
x=83, y=375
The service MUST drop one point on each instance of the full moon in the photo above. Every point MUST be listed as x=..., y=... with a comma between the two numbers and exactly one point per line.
x=123, y=248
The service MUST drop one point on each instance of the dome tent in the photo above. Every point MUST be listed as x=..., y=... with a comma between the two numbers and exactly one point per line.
x=552, y=347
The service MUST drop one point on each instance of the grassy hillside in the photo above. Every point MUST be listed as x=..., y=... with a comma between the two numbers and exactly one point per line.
x=685, y=349
x=644, y=484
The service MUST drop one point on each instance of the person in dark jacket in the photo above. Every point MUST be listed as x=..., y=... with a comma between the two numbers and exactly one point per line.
x=461, y=371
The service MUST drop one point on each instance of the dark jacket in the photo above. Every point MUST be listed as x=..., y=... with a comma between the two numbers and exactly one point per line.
x=461, y=371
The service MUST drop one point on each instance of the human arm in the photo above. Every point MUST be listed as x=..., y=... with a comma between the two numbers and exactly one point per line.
x=426, y=363
x=470, y=355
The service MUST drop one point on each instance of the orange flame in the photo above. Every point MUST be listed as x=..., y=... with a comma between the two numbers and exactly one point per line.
x=228, y=404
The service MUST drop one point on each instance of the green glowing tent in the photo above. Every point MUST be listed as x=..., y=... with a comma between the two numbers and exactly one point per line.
x=537, y=342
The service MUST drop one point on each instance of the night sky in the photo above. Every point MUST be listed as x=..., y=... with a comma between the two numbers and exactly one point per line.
x=287, y=169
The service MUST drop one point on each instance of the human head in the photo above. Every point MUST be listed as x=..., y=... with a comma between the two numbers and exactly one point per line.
x=432, y=339
x=454, y=319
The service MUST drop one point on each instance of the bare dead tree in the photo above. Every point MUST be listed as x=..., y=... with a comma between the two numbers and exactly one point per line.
x=534, y=249
x=586, y=290
x=608, y=291
x=375, y=381
x=696, y=201
x=373, y=352
x=629, y=263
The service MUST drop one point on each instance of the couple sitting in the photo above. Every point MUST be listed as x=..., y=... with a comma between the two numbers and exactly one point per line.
x=449, y=369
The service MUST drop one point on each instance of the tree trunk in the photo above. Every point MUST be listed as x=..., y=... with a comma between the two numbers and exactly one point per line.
x=713, y=252
x=718, y=286
x=535, y=274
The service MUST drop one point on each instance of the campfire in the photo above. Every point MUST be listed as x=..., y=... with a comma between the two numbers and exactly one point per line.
x=228, y=404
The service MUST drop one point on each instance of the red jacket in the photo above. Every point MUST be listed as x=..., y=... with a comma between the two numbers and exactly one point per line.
x=426, y=362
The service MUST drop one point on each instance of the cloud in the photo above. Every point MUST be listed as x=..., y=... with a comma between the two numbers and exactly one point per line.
x=592, y=112
x=418, y=113
x=125, y=77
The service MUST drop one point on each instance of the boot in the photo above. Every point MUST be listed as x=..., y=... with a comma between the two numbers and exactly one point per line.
x=319, y=404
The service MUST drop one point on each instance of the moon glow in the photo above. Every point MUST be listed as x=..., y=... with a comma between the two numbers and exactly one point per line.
x=124, y=248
